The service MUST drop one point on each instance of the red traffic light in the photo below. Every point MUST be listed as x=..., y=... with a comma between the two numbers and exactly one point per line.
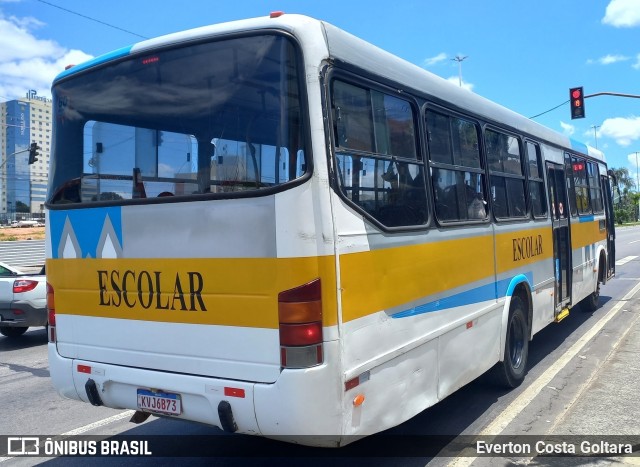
x=576, y=101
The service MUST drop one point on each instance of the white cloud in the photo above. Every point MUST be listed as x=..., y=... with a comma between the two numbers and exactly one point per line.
x=637, y=64
x=567, y=128
x=623, y=130
x=456, y=80
x=622, y=13
x=634, y=159
x=441, y=57
x=27, y=62
x=608, y=59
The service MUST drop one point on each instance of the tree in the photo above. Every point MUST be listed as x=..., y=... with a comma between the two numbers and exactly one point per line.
x=624, y=199
x=624, y=183
x=21, y=207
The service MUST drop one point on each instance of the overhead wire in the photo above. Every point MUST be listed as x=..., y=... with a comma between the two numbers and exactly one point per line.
x=547, y=111
x=92, y=19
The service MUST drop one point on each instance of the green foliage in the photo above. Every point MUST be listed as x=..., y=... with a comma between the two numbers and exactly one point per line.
x=625, y=201
x=21, y=207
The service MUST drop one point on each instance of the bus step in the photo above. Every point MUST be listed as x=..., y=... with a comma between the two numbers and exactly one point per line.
x=562, y=315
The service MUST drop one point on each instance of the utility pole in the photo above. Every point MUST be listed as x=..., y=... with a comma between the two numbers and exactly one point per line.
x=459, y=59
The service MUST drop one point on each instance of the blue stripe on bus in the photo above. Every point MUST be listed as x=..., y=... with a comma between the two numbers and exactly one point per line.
x=578, y=146
x=483, y=293
x=124, y=51
x=586, y=219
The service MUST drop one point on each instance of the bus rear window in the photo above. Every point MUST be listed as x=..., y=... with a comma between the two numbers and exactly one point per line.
x=219, y=117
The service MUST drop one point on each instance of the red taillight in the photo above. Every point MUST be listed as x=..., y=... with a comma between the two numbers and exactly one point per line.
x=300, y=334
x=300, y=317
x=24, y=285
x=51, y=307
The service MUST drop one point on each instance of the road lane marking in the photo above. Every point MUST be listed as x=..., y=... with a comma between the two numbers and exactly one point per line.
x=498, y=425
x=99, y=423
x=625, y=260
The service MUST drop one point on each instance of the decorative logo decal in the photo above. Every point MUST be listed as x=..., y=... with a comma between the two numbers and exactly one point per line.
x=89, y=233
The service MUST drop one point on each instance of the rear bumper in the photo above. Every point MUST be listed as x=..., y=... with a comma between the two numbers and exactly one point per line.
x=24, y=314
x=305, y=404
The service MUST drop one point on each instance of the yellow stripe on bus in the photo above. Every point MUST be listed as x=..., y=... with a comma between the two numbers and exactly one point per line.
x=522, y=248
x=586, y=233
x=229, y=292
x=387, y=278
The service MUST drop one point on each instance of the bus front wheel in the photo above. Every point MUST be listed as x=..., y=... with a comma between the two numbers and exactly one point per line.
x=511, y=371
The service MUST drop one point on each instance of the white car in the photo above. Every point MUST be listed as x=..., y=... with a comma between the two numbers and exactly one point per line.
x=26, y=224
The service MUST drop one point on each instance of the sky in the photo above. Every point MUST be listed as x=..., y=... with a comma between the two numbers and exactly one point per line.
x=524, y=55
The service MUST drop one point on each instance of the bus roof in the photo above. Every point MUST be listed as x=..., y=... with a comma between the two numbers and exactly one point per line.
x=341, y=46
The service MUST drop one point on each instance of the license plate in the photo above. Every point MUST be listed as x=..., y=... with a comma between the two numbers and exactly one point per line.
x=159, y=402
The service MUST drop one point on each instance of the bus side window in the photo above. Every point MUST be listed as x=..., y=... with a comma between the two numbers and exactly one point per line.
x=456, y=169
x=507, y=177
x=378, y=171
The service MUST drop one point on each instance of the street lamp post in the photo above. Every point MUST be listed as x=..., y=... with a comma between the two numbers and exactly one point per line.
x=637, y=183
x=595, y=133
x=459, y=59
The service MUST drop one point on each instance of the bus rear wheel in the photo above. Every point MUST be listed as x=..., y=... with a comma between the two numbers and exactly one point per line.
x=511, y=371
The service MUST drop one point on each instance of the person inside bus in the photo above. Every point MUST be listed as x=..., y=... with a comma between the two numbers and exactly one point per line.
x=476, y=209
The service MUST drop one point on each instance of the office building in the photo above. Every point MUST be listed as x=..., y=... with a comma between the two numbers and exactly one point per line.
x=23, y=186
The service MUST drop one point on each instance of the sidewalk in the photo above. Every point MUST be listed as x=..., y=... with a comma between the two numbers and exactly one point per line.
x=609, y=404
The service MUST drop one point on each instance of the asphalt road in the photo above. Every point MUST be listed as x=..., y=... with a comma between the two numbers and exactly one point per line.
x=545, y=403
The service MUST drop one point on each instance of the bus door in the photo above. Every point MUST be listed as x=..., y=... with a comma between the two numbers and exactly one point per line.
x=561, y=235
x=610, y=226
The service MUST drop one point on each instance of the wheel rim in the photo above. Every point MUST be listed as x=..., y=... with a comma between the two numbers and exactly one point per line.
x=516, y=342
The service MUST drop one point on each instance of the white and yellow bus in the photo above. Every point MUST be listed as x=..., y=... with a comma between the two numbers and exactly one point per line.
x=276, y=228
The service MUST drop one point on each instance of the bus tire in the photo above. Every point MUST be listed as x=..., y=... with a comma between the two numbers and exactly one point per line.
x=511, y=371
x=592, y=302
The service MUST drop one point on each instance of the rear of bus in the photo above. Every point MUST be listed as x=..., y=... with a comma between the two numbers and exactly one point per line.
x=189, y=238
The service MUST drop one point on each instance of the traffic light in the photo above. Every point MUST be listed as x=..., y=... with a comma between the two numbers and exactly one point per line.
x=576, y=100
x=33, y=153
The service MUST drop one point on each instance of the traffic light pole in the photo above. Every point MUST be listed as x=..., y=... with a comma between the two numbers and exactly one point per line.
x=634, y=96
x=618, y=94
x=12, y=154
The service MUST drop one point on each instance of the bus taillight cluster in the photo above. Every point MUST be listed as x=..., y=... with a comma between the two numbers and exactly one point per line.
x=300, y=318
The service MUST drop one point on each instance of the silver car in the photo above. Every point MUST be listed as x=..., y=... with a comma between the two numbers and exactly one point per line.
x=23, y=300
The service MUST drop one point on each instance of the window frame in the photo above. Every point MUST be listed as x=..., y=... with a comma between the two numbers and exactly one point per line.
x=453, y=166
x=571, y=187
x=507, y=175
x=341, y=75
x=305, y=131
x=584, y=187
x=541, y=179
x=597, y=188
